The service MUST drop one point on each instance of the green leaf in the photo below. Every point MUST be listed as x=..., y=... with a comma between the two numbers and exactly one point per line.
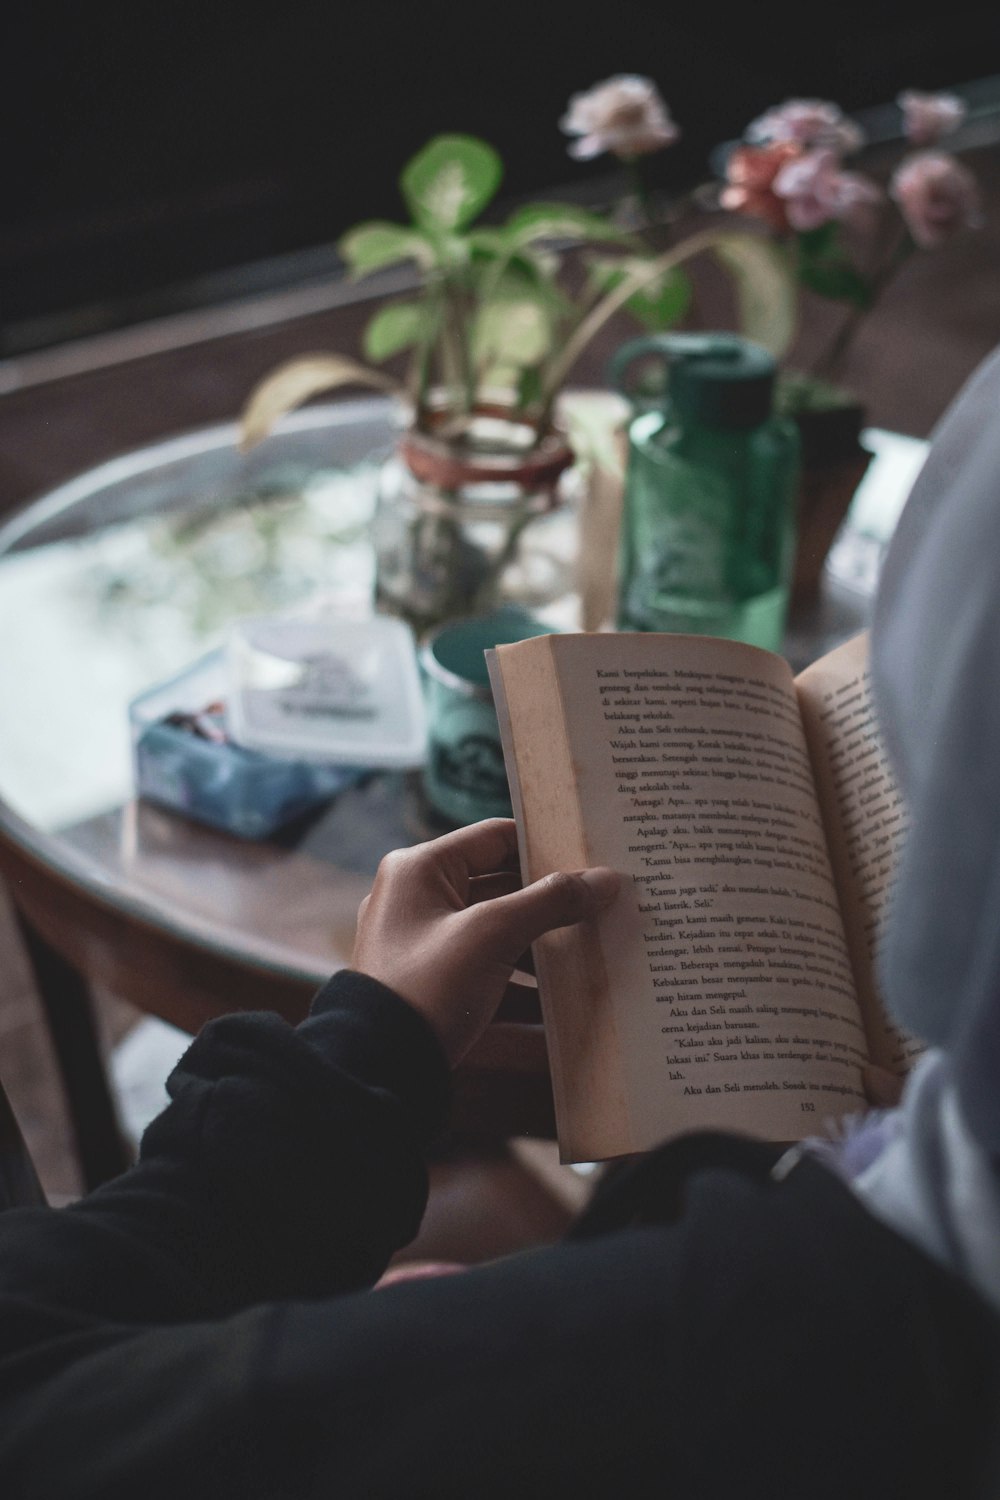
x=659, y=304
x=396, y=326
x=368, y=247
x=765, y=288
x=825, y=267
x=450, y=181
x=294, y=382
x=663, y=302
x=819, y=243
x=526, y=274
x=511, y=331
x=836, y=278
x=451, y=250
x=488, y=243
x=840, y=282
x=491, y=248
x=561, y=221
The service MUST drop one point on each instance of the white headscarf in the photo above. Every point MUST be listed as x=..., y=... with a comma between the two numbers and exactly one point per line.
x=936, y=671
x=936, y=674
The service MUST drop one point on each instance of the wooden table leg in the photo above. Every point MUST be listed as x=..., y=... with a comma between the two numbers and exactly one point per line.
x=69, y=1011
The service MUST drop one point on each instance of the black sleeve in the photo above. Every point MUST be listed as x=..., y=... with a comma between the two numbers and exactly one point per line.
x=288, y=1164
x=773, y=1340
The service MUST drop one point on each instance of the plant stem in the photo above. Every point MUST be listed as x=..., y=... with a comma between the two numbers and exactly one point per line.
x=422, y=356
x=640, y=191
x=595, y=319
x=826, y=366
x=454, y=360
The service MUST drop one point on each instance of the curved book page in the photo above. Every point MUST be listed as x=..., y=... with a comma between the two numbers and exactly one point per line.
x=866, y=823
x=717, y=992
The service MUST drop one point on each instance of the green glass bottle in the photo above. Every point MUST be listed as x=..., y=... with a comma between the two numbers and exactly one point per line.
x=708, y=523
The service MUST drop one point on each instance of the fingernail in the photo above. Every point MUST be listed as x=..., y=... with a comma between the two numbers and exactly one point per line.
x=602, y=882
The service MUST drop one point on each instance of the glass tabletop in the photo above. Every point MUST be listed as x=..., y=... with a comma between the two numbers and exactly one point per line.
x=126, y=575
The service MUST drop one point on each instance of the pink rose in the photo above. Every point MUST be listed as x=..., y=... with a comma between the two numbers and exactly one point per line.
x=624, y=115
x=927, y=117
x=750, y=175
x=816, y=190
x=808, y=123
x=937, y=197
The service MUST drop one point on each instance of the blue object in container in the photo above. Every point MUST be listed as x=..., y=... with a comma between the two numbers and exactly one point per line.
x=210, y=778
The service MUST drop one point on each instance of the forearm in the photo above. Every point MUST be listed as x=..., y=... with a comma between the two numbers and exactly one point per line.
x=619, y=1364
x=288, y=1164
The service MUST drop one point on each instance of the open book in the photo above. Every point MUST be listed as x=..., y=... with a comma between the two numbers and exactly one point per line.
x=732, y=984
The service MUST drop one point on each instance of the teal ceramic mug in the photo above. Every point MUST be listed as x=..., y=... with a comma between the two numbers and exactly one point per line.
x=464, y=777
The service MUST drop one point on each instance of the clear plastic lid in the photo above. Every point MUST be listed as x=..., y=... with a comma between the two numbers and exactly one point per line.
x=341, y=691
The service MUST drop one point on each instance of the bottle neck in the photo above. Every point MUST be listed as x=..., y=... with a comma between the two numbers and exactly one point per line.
x=661, y=432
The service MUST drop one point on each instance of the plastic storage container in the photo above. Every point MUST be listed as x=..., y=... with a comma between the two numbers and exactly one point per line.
x=333, y=691
x=183, y=760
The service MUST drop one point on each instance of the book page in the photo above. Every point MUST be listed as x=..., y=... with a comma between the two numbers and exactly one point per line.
x=866, y=822
x=585, y=1056
x=724, y=959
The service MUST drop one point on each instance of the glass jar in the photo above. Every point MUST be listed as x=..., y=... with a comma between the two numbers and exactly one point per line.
x=453, y=506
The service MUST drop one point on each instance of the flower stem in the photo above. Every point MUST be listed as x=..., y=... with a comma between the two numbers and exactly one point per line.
x=828, y=363
x=640, y=191
x=595, y=319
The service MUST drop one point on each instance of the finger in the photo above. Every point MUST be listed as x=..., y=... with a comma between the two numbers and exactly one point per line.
x=883, y=1088
x=482, y=848
x=487, y=887
x=558, y=900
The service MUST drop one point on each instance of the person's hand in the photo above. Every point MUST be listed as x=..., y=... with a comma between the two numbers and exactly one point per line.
x=447, y=921
x=883, y=1089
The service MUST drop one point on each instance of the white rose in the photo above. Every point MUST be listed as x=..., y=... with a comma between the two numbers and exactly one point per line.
x=624, y=115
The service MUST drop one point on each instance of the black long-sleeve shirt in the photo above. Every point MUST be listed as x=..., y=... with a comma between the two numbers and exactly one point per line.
x=203, y=1326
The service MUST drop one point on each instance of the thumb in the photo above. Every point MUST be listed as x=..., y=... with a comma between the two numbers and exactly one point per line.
x=883, y=1088
x=557, y=900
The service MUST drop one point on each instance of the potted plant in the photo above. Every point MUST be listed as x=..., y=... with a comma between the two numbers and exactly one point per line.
x=842, y=236
x=498, y=316
x=845, y=239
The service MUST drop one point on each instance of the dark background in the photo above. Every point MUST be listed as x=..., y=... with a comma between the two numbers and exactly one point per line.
x=151, y=147
x=162, y=157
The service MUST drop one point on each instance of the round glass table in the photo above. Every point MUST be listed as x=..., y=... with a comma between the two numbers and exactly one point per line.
x=124, y=576
x=115, y=582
